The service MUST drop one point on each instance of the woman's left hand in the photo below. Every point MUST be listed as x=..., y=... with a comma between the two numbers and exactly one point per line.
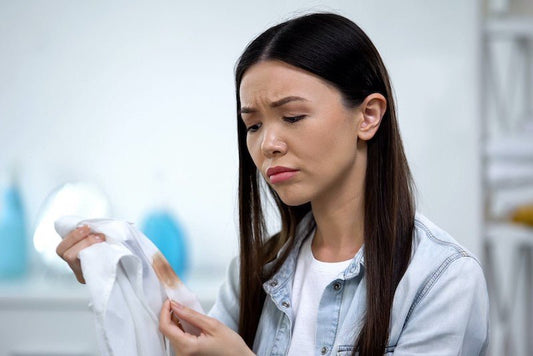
x=215, y=338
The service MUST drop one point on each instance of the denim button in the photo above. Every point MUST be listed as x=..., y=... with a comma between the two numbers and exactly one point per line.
x=324, y=350
x=285, y=304
x=337, y=286
x=274, y=283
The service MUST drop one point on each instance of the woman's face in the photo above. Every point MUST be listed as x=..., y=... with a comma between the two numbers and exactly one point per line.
x=297, y=121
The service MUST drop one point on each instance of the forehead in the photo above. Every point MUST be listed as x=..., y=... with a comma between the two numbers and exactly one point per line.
x=272, y=80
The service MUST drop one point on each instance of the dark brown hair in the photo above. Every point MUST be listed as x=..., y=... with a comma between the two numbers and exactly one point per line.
x=338, y=51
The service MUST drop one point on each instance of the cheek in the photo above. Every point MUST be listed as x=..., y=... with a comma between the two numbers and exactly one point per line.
x=332, y=146
x=327, y=167
x=343, y=150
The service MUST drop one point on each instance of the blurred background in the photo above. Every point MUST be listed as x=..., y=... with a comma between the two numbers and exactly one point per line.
x=126, y=109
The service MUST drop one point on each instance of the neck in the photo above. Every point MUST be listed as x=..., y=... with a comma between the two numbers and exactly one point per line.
x=339, y=216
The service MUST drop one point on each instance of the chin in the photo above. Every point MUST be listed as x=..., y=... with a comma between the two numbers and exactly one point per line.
x=292, y=198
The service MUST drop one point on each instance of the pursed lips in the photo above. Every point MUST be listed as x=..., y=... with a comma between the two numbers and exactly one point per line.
x=279, y=173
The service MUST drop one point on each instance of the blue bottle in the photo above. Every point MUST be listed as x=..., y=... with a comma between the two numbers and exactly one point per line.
x=165, y=232
x=13, y=244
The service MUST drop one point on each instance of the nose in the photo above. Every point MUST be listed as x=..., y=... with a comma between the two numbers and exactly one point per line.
x=273, y=144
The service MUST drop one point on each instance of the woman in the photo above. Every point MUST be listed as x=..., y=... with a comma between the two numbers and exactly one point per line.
x=353, y=269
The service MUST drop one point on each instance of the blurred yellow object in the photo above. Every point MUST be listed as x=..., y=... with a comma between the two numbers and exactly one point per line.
x=523, y=215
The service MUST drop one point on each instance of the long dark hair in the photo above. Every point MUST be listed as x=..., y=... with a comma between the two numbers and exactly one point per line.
x=338, y=51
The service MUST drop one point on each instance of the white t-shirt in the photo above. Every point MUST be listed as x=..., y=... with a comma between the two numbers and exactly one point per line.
x=310, y=280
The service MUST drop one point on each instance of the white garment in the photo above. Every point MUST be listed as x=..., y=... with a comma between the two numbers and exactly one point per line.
x=310, y=279
x=126, y=295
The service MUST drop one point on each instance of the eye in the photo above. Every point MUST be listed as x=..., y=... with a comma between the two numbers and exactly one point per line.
x=253, y=128
x=293, y=119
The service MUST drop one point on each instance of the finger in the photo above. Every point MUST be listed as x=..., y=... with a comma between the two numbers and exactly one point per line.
x=71, y=255
x=204, y=322
x=79, y=277
x=72, y=238
x=175, y=319
x=167, y=326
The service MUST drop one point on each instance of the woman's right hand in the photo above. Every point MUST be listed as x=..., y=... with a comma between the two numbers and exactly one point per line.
x=73, y=243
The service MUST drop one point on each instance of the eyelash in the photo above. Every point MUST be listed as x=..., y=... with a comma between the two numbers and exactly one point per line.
x=293, y=119
x=289, y=119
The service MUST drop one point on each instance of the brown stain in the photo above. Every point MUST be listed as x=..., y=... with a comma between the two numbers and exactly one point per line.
x=164, y=271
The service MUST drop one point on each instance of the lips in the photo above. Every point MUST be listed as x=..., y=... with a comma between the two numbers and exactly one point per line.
x=279, y=174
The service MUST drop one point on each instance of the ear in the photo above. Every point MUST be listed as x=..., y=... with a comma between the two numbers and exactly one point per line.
x=371, y=111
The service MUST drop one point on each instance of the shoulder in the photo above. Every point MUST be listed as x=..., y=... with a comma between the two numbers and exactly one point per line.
x=438, y=263
x=442, y=276
x=435, y=253
x=435, y=247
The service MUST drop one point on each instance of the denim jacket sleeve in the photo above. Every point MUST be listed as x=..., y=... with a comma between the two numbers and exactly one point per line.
x=226, y=307
x=450, y=315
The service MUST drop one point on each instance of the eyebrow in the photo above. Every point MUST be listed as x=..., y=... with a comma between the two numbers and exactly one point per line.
x=275, y=104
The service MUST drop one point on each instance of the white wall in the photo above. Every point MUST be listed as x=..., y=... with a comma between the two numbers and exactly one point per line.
x=120, y=92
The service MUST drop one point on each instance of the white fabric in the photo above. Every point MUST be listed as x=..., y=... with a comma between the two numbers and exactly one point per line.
x=125, y=294
x=310, y=279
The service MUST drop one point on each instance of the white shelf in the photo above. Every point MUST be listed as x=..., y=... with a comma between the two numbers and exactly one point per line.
x=510, y=26
x=511, y=233
x=32, y=292
x=66, y=293
x=518, y=146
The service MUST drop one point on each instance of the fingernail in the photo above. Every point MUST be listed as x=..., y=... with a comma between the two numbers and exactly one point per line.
x=176, y=304
x=97, y=237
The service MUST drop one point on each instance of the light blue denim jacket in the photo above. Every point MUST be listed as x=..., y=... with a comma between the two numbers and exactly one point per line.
x=440, y=306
